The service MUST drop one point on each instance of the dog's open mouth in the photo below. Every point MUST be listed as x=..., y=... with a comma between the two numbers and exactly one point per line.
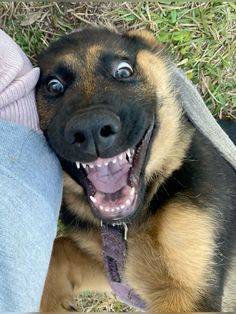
x=113, y=184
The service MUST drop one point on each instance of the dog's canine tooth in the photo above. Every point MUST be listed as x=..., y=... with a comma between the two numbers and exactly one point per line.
x=93, y=199
x=128, y=202
x=129, y=155
x=114, y=160
x=132, y=191
x=78, y=164
x=101, y=207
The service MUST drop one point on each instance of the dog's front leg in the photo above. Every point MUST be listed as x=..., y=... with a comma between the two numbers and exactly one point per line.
x=70, y=272
x=170, y=261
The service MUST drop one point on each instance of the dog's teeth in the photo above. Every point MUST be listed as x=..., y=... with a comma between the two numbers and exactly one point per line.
x=93, y=199
x=132, y=191
x=78, y=164
x=114, y=160
x=91, y=166
x=101, y=207
x=129, y=154
x=112, y=209
x=107, y=209
x=99, y=166
x=121, y=156
x=128, y=202
x=84, y=165
x=106, y=163
x=122, y=206
x=117, y=208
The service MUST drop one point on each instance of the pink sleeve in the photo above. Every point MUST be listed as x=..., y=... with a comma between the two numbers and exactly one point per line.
x=17, y=85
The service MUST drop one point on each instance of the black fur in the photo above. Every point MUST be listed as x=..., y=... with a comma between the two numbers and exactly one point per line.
x=135, y=114
x=205, y=177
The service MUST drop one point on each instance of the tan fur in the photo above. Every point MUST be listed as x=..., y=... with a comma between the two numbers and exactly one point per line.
x=170, y=257
x=88, y=76
x=71, y=186
x=89, y=242
x=170, y=254
x=68, y=58
x=71, y=271
x=144, y=35
x=168, y=261
x=170, y=145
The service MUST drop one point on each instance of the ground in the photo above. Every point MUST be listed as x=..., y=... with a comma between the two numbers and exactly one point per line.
x=200, y=37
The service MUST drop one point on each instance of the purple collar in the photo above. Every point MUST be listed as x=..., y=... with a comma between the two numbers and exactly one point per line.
x=114, y=251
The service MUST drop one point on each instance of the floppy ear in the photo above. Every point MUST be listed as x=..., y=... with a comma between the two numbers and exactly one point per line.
x=144, y=35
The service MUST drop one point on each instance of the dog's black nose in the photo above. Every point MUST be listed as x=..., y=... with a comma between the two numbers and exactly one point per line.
x=93, y=132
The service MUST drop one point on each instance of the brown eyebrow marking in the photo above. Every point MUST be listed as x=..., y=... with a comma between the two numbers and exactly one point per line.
x=88, y=73
x=68, y=58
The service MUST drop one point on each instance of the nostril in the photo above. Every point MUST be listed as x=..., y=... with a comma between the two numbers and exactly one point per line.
x=106, y=131
x=79, y=138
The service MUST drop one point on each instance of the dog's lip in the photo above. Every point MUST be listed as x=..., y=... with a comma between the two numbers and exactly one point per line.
x=127, y=205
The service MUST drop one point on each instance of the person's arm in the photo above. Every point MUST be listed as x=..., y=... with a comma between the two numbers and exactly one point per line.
x=30, y=186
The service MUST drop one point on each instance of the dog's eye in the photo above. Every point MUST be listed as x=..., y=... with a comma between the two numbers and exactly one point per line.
x=123, y=71
x=55, y=87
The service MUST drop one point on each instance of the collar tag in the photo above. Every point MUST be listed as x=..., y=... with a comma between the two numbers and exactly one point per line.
x=124, y=225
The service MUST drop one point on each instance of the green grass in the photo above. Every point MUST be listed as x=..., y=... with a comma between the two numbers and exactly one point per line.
x=200, y=37
x=94, y=302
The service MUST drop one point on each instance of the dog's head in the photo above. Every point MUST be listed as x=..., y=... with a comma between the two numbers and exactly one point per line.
x=107, y=109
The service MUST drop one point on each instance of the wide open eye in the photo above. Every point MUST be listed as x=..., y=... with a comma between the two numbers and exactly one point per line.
x=122, y=71
x=55, y=87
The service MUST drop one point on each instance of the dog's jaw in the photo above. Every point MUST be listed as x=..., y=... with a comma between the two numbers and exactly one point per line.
x=113, y=194
x=113, y=185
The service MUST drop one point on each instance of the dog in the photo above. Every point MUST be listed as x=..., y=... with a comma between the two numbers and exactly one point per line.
x=149, y=204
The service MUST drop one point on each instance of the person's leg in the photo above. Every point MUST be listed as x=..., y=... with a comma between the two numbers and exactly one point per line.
x=30, y=185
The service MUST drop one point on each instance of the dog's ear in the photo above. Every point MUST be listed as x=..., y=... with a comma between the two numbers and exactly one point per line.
x=143, y=35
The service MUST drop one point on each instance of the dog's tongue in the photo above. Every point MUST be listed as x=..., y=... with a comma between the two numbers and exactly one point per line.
x=109, y=178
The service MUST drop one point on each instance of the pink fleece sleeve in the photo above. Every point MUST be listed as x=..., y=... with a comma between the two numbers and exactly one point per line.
x=17, y=85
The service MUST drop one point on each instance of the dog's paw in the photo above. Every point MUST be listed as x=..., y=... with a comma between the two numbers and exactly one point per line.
x=52, y=303
x=69, y=304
